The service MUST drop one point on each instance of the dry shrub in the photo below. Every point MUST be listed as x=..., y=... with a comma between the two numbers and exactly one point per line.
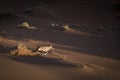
x=23, y=51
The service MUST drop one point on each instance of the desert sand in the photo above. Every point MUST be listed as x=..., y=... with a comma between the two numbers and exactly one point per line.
x=85, y=39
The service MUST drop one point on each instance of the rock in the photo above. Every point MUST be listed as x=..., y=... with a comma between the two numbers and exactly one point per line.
x=44, y=49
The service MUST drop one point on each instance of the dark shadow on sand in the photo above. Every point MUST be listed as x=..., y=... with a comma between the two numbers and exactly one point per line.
x=4, y=50
x=39, y=60
x=101, y=52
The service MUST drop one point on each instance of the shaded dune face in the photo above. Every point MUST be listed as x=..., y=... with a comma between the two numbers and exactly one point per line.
x=80, y=12
x=21, y=5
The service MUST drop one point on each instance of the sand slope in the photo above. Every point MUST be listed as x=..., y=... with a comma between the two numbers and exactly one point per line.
x=60, y=64
x=81, y=52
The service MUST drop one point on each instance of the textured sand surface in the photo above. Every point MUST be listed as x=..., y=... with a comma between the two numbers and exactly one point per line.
x=82, y=50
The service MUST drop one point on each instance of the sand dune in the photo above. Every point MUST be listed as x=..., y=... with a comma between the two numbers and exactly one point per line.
x=87, y=48
x=59, y=64
x=63, y=63
x=52, y=68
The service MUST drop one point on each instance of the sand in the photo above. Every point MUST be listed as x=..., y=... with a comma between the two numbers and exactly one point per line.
x=82, y=51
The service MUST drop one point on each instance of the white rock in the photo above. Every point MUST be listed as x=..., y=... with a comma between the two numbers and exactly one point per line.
x=43, y=50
